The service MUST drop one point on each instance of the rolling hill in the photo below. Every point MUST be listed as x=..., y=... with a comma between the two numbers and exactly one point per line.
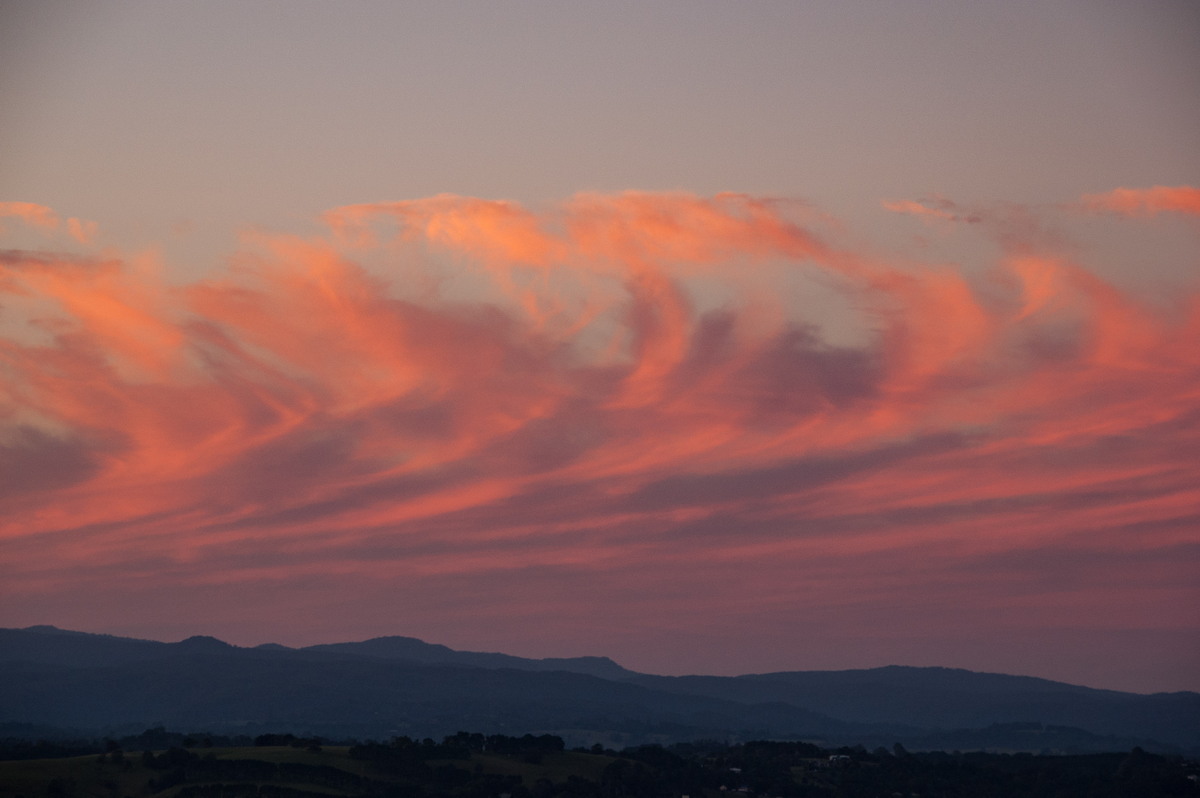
x=403, y=686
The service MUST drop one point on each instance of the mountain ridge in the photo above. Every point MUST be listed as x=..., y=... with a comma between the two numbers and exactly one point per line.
x=414, y=649
x=403, y=685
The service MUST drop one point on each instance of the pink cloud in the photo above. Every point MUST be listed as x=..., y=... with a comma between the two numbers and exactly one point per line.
x=30, y=213
x=301, y=417
x=1146, y=201
x=82, y=231
x=933, y=209
x=43, y=218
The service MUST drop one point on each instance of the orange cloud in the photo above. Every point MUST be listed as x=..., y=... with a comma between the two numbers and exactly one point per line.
x=1146, y=201
x=82, y=231
x=30, y=213
x=932, y=209
x=304, y=417
x=43, y=218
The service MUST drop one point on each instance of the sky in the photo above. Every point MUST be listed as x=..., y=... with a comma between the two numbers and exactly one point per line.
x=711, y=337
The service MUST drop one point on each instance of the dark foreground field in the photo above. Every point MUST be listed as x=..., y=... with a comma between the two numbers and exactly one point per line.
x=475, y=766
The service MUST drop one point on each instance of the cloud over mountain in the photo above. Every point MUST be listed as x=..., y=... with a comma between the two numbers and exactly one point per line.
x=618, y=401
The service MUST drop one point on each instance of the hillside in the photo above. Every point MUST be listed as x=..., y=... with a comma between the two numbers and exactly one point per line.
x=390, y=686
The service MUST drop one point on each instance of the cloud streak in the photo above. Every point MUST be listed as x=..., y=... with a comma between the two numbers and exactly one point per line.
x=43, y=218
x=604, y=403
x=1146, y=201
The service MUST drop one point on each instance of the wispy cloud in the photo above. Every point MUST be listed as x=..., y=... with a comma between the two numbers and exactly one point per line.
x=30, y=213
x=934, y=208
x=336, y=409
x=1146, y=201
x=43, y=218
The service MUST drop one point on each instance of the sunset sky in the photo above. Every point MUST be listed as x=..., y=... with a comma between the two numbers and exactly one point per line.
x=712, y=337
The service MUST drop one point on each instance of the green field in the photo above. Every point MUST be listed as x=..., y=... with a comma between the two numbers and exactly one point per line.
x=76, y=776
x=472, y=766
x=94, y=776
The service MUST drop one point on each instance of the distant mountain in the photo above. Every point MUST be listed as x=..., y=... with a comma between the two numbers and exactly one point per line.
x=947, y=698
x=222, y=688
x=403, y=686
x=53, y=646
x=411, y=649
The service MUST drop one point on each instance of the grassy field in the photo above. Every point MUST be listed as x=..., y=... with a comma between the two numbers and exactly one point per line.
x=555, y=768
x=336, y=755
x=75, y=776
x=89, y=777
x=764, y=768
